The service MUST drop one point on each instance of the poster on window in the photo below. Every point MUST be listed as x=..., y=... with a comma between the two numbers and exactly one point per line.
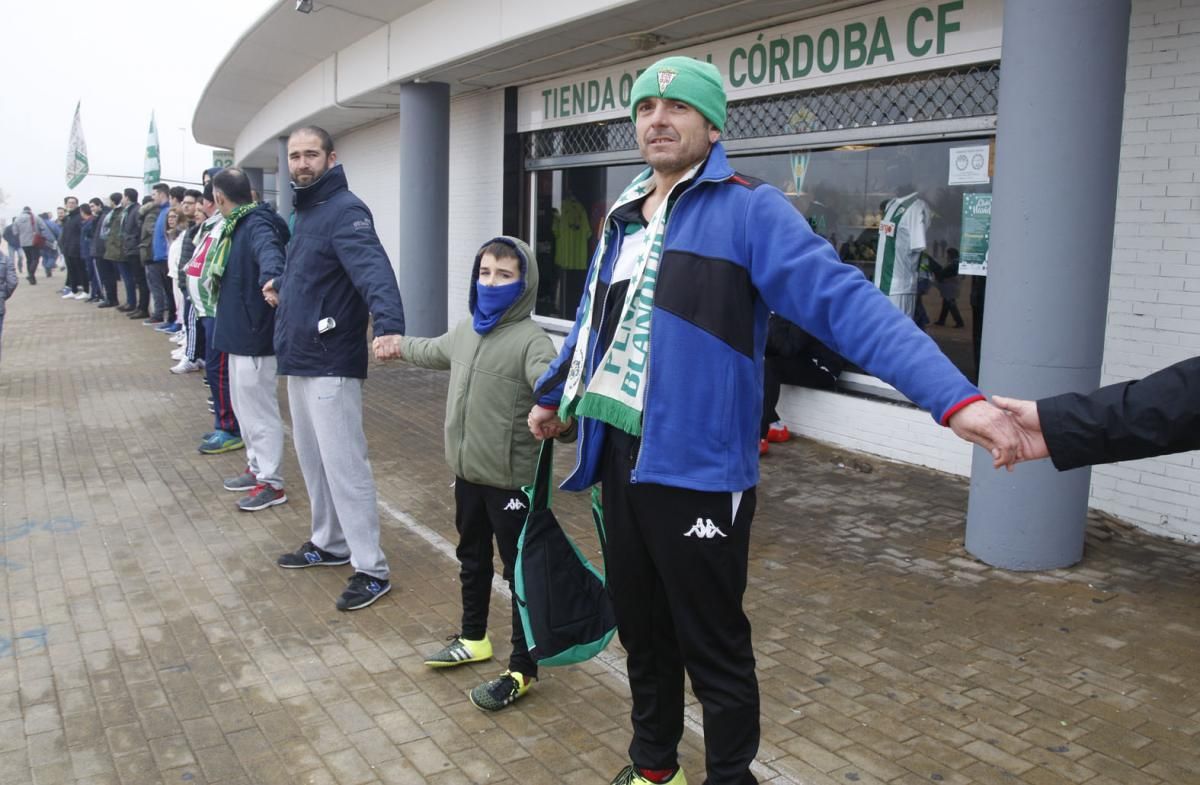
x=969, y=165
x=976, y=234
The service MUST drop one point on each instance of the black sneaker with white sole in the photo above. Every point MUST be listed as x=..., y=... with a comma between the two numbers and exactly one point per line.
x=309, y=555
x=362, y=590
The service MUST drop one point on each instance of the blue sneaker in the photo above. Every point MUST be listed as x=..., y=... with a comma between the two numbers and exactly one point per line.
x=221, y=441
x=170, y=327
x=309, y=555
x=361, y=591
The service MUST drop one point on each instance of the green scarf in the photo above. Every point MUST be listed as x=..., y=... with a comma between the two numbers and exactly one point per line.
x=616, y=392
x=218, y=257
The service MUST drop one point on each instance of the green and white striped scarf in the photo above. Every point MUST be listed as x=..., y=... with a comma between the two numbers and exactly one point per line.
x=616, y=392
x=221, y=248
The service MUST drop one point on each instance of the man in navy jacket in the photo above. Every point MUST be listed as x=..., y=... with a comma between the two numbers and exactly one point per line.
x=665, y=368
x=1157, y=415
x=337, y=275
x=248, y=254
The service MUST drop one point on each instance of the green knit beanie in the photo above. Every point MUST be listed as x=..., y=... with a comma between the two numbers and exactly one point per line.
x=695, y=82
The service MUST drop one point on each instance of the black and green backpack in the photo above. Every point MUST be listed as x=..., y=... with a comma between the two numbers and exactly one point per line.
x=563, y=600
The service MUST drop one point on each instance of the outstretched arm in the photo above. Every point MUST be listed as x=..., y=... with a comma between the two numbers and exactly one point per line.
x=1156, y=415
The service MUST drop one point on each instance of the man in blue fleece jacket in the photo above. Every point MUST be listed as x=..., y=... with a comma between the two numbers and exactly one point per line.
x=664, y=368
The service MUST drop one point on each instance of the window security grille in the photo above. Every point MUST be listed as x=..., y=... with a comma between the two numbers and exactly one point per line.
x=960, y=93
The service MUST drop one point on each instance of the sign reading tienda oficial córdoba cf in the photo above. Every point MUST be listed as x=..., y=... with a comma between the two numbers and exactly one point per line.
x=870, y=42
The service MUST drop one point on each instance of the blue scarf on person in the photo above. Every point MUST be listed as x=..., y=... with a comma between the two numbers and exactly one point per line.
x=491, y=303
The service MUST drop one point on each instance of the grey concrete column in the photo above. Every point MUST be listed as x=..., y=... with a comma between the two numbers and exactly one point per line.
x=424, y=205
x=283, y=180
x=255, y=173
x=1062, y=86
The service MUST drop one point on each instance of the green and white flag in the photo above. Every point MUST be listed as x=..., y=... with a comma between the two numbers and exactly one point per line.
x=152, y=169
x=77, y=160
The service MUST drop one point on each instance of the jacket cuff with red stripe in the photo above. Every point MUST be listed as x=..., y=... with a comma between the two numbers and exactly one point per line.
x=960, y=405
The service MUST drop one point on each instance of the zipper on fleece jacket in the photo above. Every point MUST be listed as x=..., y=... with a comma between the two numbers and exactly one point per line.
x=462, y=412
x=580, y=450
x=650, y=355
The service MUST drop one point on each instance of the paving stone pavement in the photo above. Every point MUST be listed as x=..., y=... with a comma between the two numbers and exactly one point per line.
x=147, y=637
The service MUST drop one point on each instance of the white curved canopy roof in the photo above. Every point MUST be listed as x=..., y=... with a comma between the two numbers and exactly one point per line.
x=291, y=68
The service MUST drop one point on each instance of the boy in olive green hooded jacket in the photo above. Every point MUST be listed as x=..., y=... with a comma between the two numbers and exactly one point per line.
x=494, y=359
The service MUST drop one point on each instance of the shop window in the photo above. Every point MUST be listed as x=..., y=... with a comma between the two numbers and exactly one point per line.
x=568, y=209
x=845, y=194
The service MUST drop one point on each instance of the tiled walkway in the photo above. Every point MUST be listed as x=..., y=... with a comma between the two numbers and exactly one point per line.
x=147, y=637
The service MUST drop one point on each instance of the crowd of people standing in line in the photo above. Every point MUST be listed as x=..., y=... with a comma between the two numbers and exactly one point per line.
x=99, y=241
x=183, y=254
x=676, y=464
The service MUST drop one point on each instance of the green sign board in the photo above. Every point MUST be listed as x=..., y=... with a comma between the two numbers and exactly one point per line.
x=223, y=158
x=976, y=234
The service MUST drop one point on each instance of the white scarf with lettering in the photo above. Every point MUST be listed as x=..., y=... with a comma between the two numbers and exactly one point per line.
x=616, y=392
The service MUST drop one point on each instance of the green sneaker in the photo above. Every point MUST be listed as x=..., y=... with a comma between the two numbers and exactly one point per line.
x=460, y=651
x=494, y=695
x=220, y=442
x=631, y=776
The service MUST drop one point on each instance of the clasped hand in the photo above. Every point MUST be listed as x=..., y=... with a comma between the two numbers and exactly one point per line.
x=545, y=424
x=998, y=430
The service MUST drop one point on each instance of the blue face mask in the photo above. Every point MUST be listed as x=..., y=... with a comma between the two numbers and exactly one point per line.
x=491, y=302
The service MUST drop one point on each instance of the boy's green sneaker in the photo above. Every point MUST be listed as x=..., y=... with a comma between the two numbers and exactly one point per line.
x=631, y=776
x=494, y=695
x=460, y=651
x=219, y=442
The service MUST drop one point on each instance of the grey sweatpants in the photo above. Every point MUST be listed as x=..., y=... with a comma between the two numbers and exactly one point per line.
x=332, y=449
x=255, y=397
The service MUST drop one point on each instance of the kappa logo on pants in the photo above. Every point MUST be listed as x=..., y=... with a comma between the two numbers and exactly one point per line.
x=514, y=504
x=704, y=529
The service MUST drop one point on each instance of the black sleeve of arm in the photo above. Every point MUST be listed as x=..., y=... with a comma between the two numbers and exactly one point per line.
x=1157, y=415
x=558, y=378
x=362, y=256
x=268, y=250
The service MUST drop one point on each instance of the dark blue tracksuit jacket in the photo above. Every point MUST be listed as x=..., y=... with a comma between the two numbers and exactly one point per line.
x=245, y=324
x=336, y=269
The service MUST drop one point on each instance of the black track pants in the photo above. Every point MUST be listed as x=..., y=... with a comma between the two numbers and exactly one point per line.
x=481, y=513
x=677, y=561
